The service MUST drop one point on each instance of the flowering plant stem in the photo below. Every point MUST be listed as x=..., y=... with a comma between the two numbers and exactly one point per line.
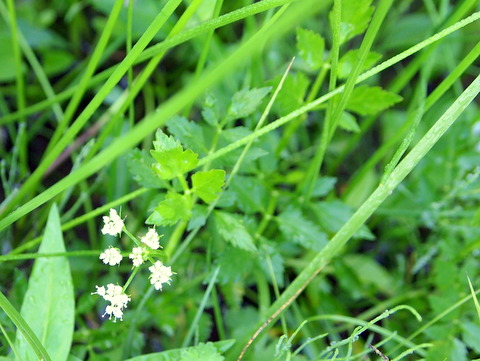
x=361, y=215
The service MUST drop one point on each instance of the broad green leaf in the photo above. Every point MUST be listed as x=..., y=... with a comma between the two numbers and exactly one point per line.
x=173, y=208
x=348, y=122
x=173, y=162
x=311, y=47
x=208, y=184
x=188, y=132
x=232, y=230
x=250, y=194
x=234, y=264
x=139, y=164
x=355, y=17
x=245, y=102
x=200, y=350
x=49, y=305
x=367, y=100
x=346, y=62
x=297, y=228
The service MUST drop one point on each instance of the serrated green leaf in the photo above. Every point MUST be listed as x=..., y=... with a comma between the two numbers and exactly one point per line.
x=165, y=142
x=234, y=264
x=311, y=47
x=48, y=305
x=208, y=184
x=231, y=229
x=250, y=194
x=346, y=62
x=202, y=352
x=371, y=100
x=300, y=230
x=187, y=132
x=139, y=164
x=173, y=208
x=356, y=15
x=292, y=94
x=199, y=216
x=173, y=162
x=245, y=102
x=349, y=123
x=176, y=354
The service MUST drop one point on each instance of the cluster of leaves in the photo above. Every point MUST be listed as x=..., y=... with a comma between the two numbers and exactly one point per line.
x=250, y=230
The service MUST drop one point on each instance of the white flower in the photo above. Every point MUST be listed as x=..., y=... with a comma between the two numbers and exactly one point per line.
x=118, y=300
x=100, y=291
x=151, y=239
x=160, y=274
x=111, y=256
x=137, y=256
x=113, y=224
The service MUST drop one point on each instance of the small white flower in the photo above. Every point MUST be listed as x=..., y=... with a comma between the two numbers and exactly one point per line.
x=118, y=300
x=113, y=224
x=111, y=256
x=100, y=291
x=151, y=239
x=137, y=256
x=160, y=274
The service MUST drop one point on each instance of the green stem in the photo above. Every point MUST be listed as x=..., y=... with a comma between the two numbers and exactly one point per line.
x=24, y=328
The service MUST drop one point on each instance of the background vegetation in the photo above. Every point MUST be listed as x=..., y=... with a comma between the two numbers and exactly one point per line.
x=351, y=192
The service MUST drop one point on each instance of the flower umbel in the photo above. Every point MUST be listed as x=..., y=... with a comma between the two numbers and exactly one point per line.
x=160, y=274
x=118, y=300
x=137, y=256
x=111, y=256
x=113, y=224
x=151, y=239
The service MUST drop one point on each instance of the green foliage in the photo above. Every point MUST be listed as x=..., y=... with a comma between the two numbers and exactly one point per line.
x=367, y=100
x=297, y=228
x=310, y=46
x=48, y=305
x=172, y=160
x=245, y=102
x=355, y=18
x=207, y=185
x=231, y=228
x=269, y=213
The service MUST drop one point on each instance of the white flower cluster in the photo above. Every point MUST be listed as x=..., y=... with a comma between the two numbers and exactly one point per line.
x=113, y=224
x=160, y=273
x=118, y=300
x=111, y=256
